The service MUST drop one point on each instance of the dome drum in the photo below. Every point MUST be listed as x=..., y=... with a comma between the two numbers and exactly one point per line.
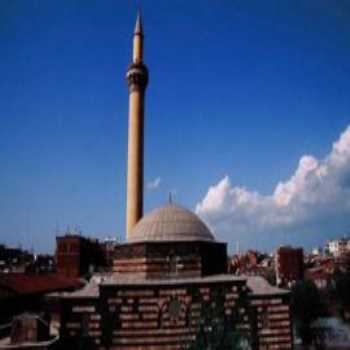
x=171, y=259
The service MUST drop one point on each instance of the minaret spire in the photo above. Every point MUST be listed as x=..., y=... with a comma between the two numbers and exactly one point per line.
x=138, y=25
x=137, y=77
x=138, y=40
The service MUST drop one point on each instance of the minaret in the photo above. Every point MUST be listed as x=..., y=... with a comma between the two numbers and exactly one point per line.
x=137, y=77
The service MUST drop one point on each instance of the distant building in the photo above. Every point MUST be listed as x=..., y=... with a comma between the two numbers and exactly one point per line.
x=244, y=263
x=77, y=255
x=338, y=247
x=42, y=263
x=252, y=263
x=289, y=265
x=14, y=259
x=317, y=251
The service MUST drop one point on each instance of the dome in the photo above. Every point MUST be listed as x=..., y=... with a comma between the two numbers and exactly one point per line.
x=170, y=223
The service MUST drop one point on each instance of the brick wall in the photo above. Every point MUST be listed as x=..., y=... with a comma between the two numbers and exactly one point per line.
x=148, y=317
x=273, y=323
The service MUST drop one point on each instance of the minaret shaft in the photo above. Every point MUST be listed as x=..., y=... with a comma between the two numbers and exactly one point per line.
x=134, y=206
x=137, y=48
x=137, y=77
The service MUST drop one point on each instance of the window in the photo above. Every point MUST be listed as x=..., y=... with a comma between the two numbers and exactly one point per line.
x=265, y=318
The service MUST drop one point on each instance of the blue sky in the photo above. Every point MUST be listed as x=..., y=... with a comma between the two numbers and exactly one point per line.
x=238, y=89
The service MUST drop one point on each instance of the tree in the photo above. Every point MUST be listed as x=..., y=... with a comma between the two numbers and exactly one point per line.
x=306, y=306
x=340, y=290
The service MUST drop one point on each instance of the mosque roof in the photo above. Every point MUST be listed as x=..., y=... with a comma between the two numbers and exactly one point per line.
x=257, y=286
x=260, y=287
x=170, y=223
x=92, y=289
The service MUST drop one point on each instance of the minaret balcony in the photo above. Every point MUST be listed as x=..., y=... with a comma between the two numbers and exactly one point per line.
x=137, y=75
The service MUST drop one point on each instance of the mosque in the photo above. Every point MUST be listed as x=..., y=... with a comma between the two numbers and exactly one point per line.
x=169, y=283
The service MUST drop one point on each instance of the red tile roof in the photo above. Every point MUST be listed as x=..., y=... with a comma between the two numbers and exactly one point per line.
x=316, y=273
x=24, y=284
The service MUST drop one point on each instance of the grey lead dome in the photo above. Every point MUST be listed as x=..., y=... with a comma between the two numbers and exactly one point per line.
x=170, y=223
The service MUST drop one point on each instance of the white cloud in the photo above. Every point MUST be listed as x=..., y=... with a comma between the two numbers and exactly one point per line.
x=154, y=184
x=314, y=201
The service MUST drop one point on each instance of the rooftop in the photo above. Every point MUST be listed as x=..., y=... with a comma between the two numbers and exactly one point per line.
x=257, y=285
x=260, y=287
x=23, y=284
x=91, y=290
